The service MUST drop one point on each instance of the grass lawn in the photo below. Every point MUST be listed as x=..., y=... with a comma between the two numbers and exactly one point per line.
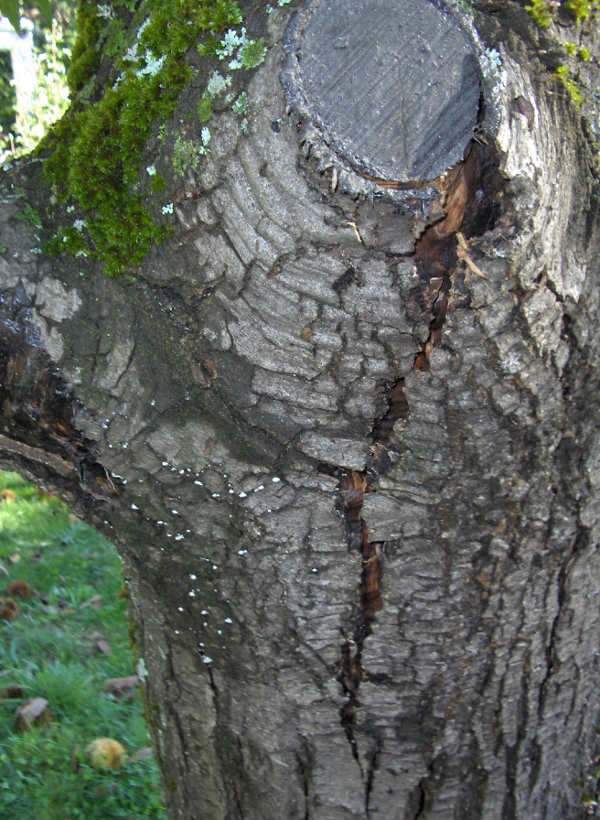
x=61, y=644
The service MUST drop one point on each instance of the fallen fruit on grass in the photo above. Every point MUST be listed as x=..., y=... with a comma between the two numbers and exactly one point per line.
x=19, y=588
x=8, y=609
x=15, y=691
x=105, y=753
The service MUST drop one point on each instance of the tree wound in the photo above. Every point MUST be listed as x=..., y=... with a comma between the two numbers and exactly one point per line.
x=393, y=88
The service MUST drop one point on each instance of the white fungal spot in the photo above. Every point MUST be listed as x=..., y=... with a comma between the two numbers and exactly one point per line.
x=228, y=621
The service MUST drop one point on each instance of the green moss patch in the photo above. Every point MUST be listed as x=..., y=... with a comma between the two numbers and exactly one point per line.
x=570, y=13
x=93, y=156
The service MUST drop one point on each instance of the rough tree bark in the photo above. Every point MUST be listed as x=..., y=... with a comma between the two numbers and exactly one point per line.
x=343, y=425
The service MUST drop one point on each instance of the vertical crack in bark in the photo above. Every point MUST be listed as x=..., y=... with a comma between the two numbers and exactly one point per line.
x=436, y=258
x=373, y=764
x=237, y=801
x=128, y=364
x=473, y=205
x=551, y=650
x=172, y=710
x=512, y=756
x=302, y=768
x=214, y=689
x=352, y=488
x=422, y=800
x=182, y=738
x=397, y=409
x=473, y=194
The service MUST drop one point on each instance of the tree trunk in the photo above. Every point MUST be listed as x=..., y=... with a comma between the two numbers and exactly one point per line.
x=342, y=425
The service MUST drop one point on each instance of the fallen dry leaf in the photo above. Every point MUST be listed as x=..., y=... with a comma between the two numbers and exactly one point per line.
x=95, y=601
x=122, y=687
x=34, y=712
x=103, y=647
x=142, y=754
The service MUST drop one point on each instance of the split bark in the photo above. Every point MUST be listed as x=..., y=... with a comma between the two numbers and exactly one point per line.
x=347, y=447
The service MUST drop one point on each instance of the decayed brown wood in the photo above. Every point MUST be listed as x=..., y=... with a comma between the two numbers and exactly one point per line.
x=10, y=447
